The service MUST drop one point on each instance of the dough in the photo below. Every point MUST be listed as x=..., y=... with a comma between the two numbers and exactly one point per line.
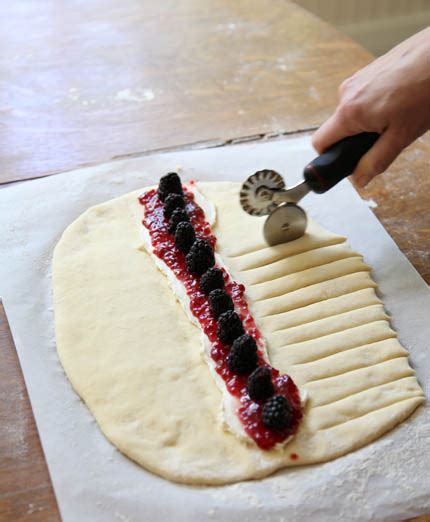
x=135, y=359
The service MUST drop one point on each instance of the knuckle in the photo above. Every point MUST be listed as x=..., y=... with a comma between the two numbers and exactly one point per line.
x=344, y=86
x=350, y=111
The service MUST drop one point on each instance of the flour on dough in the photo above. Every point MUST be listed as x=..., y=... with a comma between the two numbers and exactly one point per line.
x=134, y=357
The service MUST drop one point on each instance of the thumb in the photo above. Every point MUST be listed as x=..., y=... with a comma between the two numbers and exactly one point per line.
x=338, y=126
x=389, y=145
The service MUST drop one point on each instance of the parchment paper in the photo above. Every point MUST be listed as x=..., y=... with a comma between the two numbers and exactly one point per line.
x=387, y=480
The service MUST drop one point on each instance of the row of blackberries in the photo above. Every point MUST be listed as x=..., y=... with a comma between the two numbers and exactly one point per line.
x=199, y=254
x=277, y=413
x=243, y=358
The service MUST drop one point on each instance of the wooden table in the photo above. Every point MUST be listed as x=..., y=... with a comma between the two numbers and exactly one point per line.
x=88, y=81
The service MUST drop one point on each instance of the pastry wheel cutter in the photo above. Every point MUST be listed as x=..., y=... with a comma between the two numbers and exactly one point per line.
x=265, y=192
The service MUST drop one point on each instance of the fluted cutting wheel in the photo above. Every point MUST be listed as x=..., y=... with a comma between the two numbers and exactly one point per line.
x=257, y=192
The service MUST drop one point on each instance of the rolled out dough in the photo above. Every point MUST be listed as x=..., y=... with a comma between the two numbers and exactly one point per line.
x=135, y=359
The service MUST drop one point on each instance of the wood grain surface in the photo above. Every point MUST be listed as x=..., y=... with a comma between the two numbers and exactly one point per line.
x=84, y=82
x=25, y=487
x=402, y=196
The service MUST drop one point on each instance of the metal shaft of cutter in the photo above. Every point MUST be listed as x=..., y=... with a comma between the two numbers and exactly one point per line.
x=292, y=195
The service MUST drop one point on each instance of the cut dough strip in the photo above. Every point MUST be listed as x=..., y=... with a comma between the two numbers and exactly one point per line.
x=405, y=381
x=344, y=284
x=332, y=388
x=289, y=283
x=299, y=262
x=315, y=312
x=267, y=256
x=362, y=403
x=333, y=324
x=345, y=362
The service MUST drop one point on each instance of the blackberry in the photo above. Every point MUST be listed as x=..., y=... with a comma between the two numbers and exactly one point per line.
x=184, y=236
x=260, y=386
x=277, y=413
x=169, y=184
x=211, y=279
x=200, y=257
x=243, y=356
x=171, y=203
x=178, y=216
x=229, y=327
x=220, y=302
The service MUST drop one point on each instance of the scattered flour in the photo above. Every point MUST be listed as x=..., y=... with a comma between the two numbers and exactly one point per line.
x=135, y=95
x=371, y=203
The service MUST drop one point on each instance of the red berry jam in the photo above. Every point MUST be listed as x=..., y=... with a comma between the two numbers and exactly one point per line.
x=249, y=412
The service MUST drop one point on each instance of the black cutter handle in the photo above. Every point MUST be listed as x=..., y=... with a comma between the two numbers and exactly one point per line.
x=338, y=162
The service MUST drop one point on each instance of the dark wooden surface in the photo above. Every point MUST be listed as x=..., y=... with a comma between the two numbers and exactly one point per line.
x=84, y=82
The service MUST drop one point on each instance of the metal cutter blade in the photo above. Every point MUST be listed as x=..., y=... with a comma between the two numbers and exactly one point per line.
x=286, y=223
x=256, y=195
x=264, y=193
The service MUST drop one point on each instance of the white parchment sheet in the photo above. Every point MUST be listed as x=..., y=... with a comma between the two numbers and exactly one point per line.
x=386, y=481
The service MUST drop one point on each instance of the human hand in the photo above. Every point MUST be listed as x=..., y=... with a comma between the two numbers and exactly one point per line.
x=390, y=96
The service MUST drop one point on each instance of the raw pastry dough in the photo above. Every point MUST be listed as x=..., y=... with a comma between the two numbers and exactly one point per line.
x=135, y=359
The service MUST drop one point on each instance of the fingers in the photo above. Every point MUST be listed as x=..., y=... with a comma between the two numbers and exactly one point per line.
x=379, y=157
x=340, y=125
x=329, y=132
